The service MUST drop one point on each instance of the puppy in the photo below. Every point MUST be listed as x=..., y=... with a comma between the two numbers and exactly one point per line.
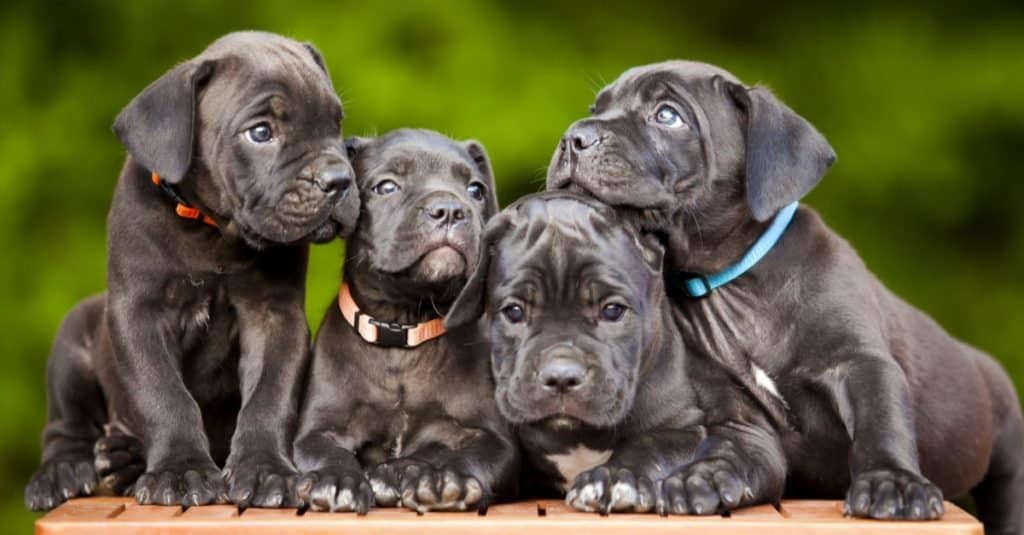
x=195, y=353
x=390, y=394
x=592, y=371
x=849, y=371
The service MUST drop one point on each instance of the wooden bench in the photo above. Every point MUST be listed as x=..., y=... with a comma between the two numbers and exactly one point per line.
x=122, y=515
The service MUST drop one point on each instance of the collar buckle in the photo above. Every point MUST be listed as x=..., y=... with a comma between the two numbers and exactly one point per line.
x=390, y=333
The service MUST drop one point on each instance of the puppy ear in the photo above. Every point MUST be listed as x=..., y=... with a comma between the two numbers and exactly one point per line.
x=786, y=155
x=652, y=248
x=469, y=305
x=158, y=126
x=318, y=58
x=483, y=164
x=354, y=145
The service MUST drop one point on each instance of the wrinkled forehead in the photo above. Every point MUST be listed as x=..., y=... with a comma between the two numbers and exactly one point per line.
x=557, y=245
x=415, y=155
x=261, y=66
x=651, y=82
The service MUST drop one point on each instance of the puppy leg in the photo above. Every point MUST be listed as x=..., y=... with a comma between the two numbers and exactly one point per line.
x=274, y=356
x=152, y=397
x=1000, y=496
x=76, y=412
x=874, y=404
x=736, y=465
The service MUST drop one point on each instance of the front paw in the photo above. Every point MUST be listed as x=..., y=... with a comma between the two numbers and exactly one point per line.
x=704, y=487
x=119, y=460
x=185, y=483
x=893, y=494
x=421, y=487
x=59, y=480
x=611, y=490
x=258, y=481
x=335, y=490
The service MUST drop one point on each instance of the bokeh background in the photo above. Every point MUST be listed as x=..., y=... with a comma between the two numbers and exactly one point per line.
x=923, y=105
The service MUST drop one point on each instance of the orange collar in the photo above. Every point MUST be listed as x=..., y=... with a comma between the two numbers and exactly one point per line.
x=182, y=208
x=385, y=333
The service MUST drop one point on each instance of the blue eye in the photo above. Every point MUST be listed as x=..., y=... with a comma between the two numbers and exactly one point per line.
x=385, y=187
x=260, y=134
x=513, y=313
x=612, y=312
x=668, y=116
x=476, y=191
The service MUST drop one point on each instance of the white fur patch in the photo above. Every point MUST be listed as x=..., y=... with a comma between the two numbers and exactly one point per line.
x=764, y=381
x=576, y=461
x=202, y=317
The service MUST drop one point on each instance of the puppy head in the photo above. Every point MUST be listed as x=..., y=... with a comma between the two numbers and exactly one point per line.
x=570, y=295
x=426, y=199
x=688, y=138
x=250, y=131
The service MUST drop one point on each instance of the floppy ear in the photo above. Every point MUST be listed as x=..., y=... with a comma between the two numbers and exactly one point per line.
x=318, y=58
x=158, y=126
x=652, y=248
x=354, y=145
x=786, y=155
x=469, y=305
x=483, y=164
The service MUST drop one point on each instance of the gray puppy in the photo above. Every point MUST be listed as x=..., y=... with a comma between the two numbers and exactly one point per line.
x=192, y=359
x=592, y=370
x=849, y=371
x=390, y=394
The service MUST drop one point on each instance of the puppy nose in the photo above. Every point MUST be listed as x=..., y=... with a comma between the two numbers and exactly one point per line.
x=582, y=137
x=562, y=375
x=334, y=180
x=446, y=211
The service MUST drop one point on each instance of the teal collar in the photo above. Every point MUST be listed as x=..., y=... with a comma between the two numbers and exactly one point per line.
x=702, y=285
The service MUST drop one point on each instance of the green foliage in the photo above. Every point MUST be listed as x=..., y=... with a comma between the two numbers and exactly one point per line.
x=923, y=108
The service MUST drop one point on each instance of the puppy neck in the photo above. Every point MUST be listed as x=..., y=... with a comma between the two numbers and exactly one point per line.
x=710, y=239
x=387, y=298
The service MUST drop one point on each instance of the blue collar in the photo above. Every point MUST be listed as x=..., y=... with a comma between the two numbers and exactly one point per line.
x=702, y=285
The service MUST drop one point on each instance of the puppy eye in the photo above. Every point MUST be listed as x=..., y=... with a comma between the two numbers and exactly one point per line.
x=513, y=313
x=476, y=190
x=260, y=134
x=612, y=312
x=668, y=116
x=385, y=187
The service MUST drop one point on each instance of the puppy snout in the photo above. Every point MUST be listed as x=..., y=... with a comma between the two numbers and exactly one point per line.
x=582, y=137
x=446, y=211
x=562, y=375
x=334, y=180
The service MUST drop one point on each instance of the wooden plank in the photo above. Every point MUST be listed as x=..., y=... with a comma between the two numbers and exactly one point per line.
x=117, y=516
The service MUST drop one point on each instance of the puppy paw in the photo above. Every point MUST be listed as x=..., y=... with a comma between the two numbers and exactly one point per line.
x=705, y=487
x=335, y=491
x=893, y=495
x=181, y=483
x=261, y=482
x=611, y=490
x=60, y=480
x=421, y=487
x=118, y=460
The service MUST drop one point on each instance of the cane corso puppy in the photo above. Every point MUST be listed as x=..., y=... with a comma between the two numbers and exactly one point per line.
x=850, y=371
x=235, y=162
x=397, y=410
x=591, y=369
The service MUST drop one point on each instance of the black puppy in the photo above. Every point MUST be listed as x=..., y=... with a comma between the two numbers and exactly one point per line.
x=390, y=393
x=851, y=372
x=197, y=349
x=591, y=368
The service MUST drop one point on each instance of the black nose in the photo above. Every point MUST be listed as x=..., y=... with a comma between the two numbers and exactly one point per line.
x=446, y=211
x=582, y=137
x=562, y=375
x=334, y=179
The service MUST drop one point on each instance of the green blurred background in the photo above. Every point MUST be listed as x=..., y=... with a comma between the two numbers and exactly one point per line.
x=923, y=105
